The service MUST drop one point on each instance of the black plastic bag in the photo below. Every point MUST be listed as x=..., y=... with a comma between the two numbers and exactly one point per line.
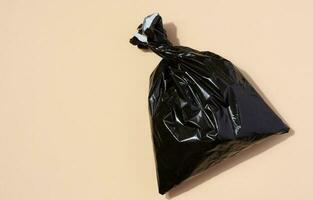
x=202, y=109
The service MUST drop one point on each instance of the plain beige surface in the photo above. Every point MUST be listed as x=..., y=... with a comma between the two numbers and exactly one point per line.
x=73, y=97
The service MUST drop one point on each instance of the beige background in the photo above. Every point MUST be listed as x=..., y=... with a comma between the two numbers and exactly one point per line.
x=73, y=97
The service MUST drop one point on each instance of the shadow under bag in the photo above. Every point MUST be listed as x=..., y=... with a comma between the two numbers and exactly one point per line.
x=202, y=109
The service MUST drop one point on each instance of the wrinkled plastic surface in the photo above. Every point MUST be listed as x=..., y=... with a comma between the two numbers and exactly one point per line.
x=202, y=109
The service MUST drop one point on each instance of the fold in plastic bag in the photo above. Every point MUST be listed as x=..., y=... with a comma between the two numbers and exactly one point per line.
x=202, y=109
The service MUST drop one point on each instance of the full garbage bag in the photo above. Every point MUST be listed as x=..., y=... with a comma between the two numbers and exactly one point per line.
x=202, y=109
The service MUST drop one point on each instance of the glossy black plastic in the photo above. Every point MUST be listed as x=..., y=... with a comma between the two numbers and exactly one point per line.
x=202, y=108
